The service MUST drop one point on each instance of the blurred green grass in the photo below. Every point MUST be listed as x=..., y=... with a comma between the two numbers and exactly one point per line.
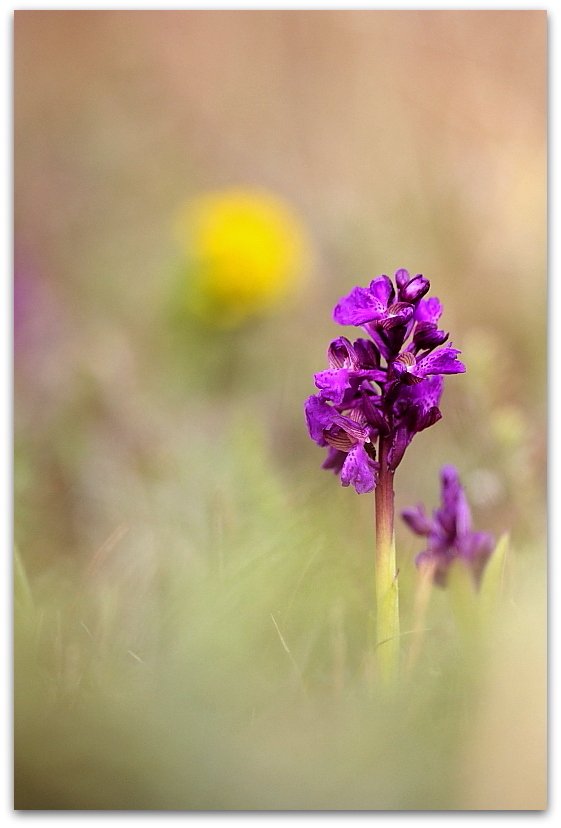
x=227, y=666
x=194, y=593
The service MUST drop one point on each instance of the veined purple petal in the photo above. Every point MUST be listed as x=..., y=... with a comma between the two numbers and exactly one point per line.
x=338, y=438
x=404, y=367
x=357, y=416
x=359, y=470
x=360, y=306
x=398, y=314
x=354, y=429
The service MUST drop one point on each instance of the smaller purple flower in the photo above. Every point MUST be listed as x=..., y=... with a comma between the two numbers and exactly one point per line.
x=449, y=534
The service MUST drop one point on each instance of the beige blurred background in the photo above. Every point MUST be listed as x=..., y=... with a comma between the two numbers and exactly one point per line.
x=404, y=128
x=401, y=138
x=409, y=139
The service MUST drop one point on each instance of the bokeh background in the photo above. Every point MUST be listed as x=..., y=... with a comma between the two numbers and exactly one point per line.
x=192, y=588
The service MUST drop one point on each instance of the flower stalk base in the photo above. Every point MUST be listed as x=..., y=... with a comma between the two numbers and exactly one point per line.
x=387, y=600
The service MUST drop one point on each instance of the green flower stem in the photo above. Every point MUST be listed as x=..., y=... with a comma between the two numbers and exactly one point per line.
x=387, y=599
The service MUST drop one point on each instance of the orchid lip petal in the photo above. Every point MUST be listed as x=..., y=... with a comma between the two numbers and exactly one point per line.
x=359, y=470
x=332, y=384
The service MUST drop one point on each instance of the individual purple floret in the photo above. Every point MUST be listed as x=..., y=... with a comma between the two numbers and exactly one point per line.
x=385, y=388
x=449, y=535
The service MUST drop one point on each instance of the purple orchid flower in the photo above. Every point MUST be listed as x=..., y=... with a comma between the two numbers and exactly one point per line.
x=449, y=533
x=350, y=441
x=388, y=384
x=346, y=369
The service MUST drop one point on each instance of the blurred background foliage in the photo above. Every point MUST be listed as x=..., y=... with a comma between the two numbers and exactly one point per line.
x=194, y=191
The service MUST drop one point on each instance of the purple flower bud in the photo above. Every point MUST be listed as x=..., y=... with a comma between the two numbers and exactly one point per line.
x=367, y=353
x=415, y=289
x=402, y=277
x=355, y=425
x=427, y=336
x=341, y=354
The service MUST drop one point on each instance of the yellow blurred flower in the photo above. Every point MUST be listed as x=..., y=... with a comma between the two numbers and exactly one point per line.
x=246, y=252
